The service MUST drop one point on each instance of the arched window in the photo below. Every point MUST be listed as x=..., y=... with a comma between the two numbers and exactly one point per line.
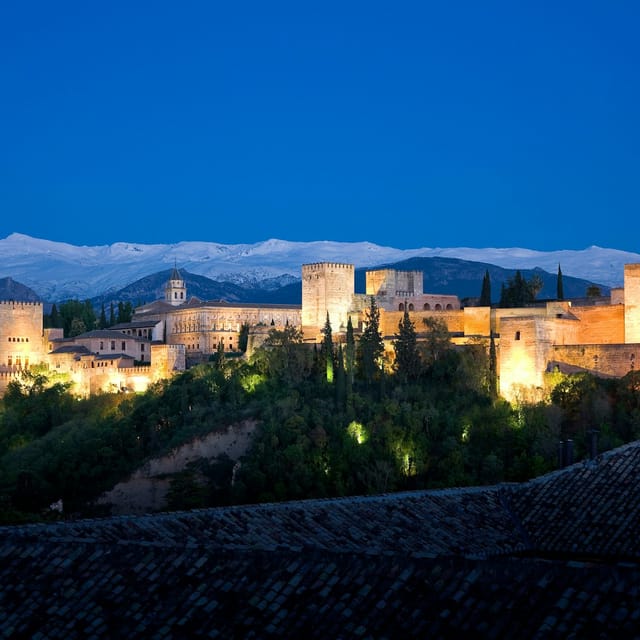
x=410, y=306
x=401, y=307
x=427, y=306
x=449, y=307
x=438, y=307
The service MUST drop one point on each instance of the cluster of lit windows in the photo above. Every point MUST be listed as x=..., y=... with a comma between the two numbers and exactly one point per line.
x=17, y=361
x=10, y=339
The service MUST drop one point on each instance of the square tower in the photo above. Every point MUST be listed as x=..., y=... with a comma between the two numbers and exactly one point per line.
x=327, y=287
x=632, y=303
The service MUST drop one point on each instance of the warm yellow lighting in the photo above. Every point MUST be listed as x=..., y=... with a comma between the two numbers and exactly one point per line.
x=357, y=431
x=405, y=455
x=250, y=381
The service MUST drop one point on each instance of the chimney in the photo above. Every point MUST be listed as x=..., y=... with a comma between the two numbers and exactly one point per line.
x=565, y=453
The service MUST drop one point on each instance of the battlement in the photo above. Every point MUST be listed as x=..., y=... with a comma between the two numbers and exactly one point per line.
x=19, y=303
x=321, y=266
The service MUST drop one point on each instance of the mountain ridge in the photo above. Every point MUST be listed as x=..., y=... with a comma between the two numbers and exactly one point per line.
x=58, y=271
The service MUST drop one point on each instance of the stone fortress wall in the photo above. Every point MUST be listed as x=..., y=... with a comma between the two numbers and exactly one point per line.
x=601, y=338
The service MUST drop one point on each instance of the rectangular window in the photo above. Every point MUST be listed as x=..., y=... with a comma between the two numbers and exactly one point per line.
x=124, y=345
x=101, y=344
x=517, y=335
x=142, y=347
x=113, y=345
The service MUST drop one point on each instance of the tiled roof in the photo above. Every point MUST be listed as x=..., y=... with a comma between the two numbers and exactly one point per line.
x=71, y=348
x=139, y=324
x=556, y=557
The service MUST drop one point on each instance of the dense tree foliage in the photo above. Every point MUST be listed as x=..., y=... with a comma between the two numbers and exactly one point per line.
x=371, y=346
x=432, y=420
x=519, y=292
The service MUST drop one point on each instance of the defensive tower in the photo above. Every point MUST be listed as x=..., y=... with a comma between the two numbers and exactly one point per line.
x=327, y=287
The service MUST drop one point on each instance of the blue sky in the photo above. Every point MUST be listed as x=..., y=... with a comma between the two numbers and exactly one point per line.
x=407, y=124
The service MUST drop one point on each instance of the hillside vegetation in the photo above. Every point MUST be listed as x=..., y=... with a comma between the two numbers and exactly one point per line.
x=334, y=420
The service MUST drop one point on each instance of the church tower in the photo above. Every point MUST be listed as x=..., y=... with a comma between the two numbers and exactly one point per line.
x=175, y=291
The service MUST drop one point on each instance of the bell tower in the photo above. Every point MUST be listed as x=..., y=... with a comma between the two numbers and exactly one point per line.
x=175, y=291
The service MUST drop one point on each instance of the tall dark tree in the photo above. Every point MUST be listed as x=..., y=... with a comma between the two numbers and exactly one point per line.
x=559, y=286
x=327, y=349
x=485, y=293
x=102, y=323
x=125, y=311
x=243, y=337
x=53, y=320
x=112, y=315
x=89, y=316
x=371, y=346
x=350, y=354
x=407, y=361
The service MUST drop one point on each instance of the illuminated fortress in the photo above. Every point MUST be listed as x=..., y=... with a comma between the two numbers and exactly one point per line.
x=169, y=335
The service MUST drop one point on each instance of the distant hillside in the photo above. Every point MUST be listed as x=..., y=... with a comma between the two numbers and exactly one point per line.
x=151, y=288
x=441, y=275
x=12, y=290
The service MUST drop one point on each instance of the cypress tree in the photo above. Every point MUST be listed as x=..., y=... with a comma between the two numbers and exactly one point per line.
x=485, y=294
x=112, y=316
x=407, y=363
x=371, y=346
x=560, y=287
x=55, y=317
x=103, y=318
x=350, y=354
x=327, y=349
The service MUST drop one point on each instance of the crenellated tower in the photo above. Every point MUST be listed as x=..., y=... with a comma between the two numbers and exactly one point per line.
x=327, y=287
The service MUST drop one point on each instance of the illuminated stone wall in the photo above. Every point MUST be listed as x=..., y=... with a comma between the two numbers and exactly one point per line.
x=600, y=324
x=523, y=355
x=600, y=359
x=21, y=342
x=326, y=287
x=389, y=320
x=477, y=321
x=166, y=359
x=632, y=303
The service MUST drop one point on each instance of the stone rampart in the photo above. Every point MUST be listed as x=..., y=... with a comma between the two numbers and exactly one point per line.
x=600, y=324
x=600, y=359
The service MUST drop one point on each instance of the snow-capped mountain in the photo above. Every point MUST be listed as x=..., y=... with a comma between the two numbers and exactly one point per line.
x=58, y=271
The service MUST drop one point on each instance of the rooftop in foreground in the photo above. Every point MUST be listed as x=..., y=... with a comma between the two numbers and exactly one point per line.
x=554, y=557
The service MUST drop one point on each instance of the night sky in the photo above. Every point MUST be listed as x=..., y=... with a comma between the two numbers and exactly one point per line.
x=406, y=124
